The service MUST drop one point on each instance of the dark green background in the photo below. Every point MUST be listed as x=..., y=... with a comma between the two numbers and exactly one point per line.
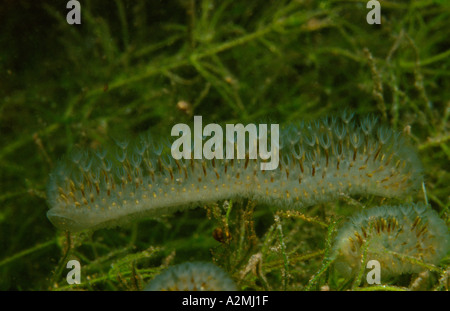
x=129, y=64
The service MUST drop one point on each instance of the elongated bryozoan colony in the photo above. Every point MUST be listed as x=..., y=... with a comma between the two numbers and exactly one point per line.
x=319, y=161
x=192, y=276
x=412, y=231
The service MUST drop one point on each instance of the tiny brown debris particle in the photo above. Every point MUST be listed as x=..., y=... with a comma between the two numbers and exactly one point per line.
x=185, y=107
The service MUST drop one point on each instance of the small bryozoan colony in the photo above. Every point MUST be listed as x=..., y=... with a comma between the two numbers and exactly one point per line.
x=398, y=237
x=192, y=276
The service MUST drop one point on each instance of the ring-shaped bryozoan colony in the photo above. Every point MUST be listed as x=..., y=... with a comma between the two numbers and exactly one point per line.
x=319, y=161
x=397, y=237
x=192, y=276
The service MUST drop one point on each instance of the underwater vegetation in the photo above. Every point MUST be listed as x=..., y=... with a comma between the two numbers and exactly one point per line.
x=78, y=102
